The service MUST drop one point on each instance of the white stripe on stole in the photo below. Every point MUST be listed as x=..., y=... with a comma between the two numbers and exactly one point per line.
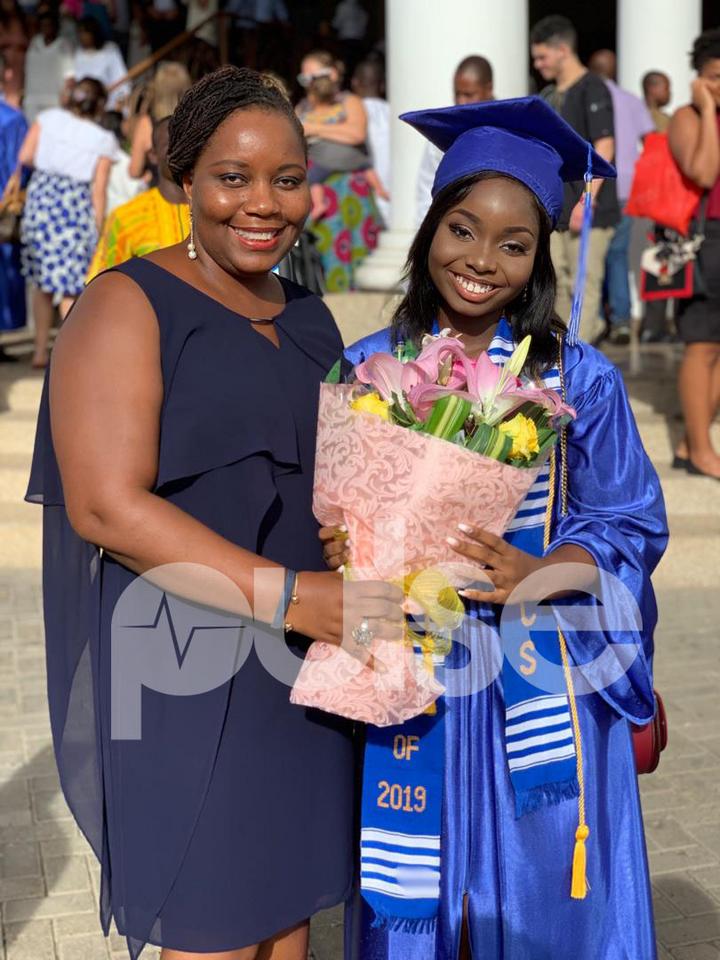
x=534, y=705
x=391, y=856
x=377, y=835
x=539, y=741
x=381, y=869
x=402, y=875
x=522, y=523
x=424, y=892
x=537, y=759
x=541, y=722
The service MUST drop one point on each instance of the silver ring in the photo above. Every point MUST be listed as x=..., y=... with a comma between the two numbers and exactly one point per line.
x=363, y=635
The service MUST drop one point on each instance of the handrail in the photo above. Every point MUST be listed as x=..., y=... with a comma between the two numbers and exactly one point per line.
x=222, y=16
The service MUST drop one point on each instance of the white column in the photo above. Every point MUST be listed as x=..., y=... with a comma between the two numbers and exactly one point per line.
x=426, y=39
x=657, y=35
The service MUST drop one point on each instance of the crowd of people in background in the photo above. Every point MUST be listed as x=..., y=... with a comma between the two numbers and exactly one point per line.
x=84, y=103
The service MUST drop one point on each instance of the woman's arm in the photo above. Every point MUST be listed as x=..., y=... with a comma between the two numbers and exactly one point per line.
x=99, y=189
x=352, y=130
x=694, y=140
x=26, y=157
x=106, y=393
x=141, y=145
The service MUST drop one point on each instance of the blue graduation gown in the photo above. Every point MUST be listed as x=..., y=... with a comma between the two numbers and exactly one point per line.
x=515, y=873
x=13, y=127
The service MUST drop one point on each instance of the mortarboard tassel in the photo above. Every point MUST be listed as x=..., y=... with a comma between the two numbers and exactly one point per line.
x=581, y=273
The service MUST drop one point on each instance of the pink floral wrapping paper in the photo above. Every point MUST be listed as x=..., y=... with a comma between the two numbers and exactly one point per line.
x=400, y=494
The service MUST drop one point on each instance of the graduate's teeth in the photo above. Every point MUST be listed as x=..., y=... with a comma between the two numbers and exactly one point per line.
x=472, y=287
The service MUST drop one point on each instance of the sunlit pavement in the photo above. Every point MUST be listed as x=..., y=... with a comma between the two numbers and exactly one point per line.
x=48, y=879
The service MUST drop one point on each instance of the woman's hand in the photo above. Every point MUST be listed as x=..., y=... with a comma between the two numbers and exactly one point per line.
x=505, y=566
x=702, y=97
x=336, y=546
x=330, y=608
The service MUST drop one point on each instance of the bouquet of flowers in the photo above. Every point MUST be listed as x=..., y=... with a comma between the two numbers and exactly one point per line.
x=420, y=442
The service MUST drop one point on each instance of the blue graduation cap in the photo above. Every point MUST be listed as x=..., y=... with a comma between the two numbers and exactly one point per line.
x=522, y=138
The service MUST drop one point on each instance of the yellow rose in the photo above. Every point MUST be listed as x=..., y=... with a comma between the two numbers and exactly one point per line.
x=523, y=433
x=372, y=403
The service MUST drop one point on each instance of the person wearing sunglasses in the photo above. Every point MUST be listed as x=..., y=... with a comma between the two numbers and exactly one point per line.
x=335, y=124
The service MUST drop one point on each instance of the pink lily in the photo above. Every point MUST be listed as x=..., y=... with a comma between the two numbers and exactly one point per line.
x=444, y=359
x=493, y=389
x=391, y=378
x=423, y=395
x=550, y=400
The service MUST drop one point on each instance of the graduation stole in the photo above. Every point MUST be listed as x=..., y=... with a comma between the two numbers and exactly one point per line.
x=403, y=778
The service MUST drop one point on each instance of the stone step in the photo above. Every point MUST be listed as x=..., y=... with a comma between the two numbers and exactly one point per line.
x=17, y=437
x=20, y=514
x=13, y=483
x=20, y=547
x=20, y=397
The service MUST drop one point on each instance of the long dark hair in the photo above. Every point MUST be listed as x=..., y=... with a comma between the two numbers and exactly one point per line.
x=533, y=313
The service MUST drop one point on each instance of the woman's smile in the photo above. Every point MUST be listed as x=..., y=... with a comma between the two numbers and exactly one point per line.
x=258, y=238
x=249, y=192
x=473, y=290
x=483, y=250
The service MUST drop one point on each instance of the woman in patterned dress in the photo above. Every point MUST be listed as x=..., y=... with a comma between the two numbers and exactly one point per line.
x=345, y=220
x=71, y=156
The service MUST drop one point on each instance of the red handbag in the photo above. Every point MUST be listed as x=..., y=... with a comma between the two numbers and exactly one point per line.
x=660, y=190
x=650, y=740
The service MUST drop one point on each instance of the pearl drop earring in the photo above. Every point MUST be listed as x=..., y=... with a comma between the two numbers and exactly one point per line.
x=191, y=251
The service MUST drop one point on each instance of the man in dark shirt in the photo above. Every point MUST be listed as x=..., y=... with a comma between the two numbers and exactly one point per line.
x=585, y=102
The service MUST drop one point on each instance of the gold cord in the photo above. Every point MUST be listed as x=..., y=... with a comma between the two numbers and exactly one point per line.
x=579, y=884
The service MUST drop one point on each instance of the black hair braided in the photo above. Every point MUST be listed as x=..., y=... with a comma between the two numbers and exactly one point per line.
x=210, y=102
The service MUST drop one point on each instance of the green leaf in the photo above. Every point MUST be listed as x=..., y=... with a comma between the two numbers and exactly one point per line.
x=448, y=416
x=490, y=442
x=334, y=374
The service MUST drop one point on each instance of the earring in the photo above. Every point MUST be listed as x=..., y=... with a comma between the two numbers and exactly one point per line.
x=192, y=252
x=525, y=295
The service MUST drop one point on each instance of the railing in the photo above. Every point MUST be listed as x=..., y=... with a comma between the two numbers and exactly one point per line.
x=223, y=19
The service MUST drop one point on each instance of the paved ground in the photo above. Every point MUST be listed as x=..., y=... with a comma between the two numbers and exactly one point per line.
x=48, y=881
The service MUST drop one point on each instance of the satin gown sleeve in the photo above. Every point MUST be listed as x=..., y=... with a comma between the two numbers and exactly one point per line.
x=616, y=512
x=14, y=127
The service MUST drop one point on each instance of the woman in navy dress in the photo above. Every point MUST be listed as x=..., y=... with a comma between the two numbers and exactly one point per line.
x=182, y=398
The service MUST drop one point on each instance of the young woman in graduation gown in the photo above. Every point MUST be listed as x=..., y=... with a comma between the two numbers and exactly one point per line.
x=538, y=852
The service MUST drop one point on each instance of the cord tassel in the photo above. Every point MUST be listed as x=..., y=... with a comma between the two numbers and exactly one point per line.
x=579, y=886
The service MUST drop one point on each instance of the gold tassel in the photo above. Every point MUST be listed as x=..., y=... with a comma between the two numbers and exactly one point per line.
x=579, y=886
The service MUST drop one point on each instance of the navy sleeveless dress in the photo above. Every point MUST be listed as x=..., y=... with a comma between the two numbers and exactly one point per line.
x=230, y=818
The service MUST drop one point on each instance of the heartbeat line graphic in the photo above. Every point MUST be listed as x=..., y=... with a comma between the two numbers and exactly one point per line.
x=180, y=651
